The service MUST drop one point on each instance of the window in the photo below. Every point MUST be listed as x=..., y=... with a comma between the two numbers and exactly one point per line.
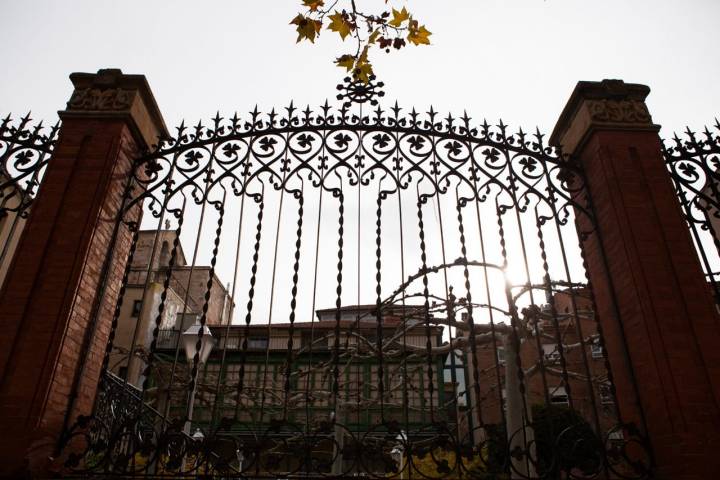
x=551, y=352
x=257, y=343
x=558, y=396
x=606, y=396
x=596, y=350
x=501, y=355
x=136, y=308
x=307, y=338
x=164, y=255
x=232, y=342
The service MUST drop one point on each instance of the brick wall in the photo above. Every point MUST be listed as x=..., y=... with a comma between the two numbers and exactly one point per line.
x=47, y=302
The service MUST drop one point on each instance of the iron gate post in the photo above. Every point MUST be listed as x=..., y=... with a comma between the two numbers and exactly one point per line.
x=662, y=330
x=59, y=295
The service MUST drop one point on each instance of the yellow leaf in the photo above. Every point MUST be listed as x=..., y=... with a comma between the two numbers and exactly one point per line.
x=373, y=36
x=419, y=35
x=306, y=27
x=363, y=68
x=364, y=55
x=340, y=25
x=399, y=17
x=346, y=61
x=313, y=5
x=363, y=71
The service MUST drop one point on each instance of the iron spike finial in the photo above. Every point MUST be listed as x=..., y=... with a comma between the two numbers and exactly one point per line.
x=396, y=109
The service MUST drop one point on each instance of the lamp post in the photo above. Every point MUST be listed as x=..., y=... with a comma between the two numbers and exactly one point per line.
x=399, y=452
x=190, y=340
x=240, y=459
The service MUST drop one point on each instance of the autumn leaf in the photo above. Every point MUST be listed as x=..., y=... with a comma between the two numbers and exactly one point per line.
x=313, y=5
x=373, y=36
x=364, y=55
x=306, y=27
x=387, y=28
x=363, y=68
x=399, y=17
x=339, y=24
x=418, y=34
x=363, y=71
x=346, y=61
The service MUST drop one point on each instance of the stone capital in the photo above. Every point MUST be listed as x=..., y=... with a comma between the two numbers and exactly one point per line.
x=606, y=105
x=111, y=94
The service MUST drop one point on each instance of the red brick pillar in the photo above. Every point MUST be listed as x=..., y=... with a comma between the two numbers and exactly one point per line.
x=52, y=342
x=650, y=289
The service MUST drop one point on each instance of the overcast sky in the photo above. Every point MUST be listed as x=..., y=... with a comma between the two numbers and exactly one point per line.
x=512, y=59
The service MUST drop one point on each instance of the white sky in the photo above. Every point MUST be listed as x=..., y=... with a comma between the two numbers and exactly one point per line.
x=512, y=59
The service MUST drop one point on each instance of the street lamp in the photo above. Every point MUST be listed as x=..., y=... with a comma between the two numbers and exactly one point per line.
x=190, y=340
x=398, y=452
x=240, y=459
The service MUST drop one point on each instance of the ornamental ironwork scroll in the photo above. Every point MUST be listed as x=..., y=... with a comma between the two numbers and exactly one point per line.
x=24, y=153
x=25, y=150
x=693, y=161
x=455, y=333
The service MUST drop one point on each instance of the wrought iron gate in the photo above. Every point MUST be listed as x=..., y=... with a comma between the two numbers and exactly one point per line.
x=693, y=164
x=355, y=291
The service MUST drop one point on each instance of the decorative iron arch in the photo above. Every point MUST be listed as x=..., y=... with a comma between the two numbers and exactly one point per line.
x=403, y=149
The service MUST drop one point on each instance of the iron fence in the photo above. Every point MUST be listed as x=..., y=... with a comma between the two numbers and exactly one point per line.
x=693, y=161
x=24, y=152
x=378, y=293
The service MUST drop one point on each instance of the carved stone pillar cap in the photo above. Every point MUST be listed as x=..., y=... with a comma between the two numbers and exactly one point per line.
x=111, y=94
x=610, y=104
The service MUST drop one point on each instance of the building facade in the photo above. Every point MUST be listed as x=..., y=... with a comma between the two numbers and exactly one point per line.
x=303, y=377
x=140, y=311
x=576, y=378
